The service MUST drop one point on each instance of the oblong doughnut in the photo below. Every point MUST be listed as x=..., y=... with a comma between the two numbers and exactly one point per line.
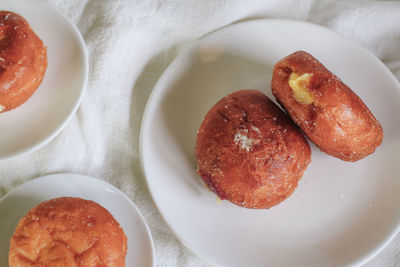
x=327, y=110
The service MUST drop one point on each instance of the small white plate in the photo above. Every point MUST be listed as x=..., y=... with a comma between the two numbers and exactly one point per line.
x=342, y=213
x=19, y=201
x=45, y=114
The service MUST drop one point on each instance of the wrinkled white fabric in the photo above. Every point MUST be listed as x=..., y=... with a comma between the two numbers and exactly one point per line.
x=130, y=44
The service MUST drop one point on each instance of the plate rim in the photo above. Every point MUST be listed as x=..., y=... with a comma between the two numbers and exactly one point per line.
x=48, y=138
x=360, y=261
x=58, y=175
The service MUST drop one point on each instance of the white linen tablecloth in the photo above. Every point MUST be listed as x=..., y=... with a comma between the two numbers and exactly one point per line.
x=130, y=44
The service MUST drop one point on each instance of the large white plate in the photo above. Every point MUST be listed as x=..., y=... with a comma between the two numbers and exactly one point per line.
x=17, y=202
x=341, y=213
x=43, y=116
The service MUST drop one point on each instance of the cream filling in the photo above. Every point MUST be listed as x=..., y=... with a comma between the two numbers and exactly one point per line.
x=299, y=85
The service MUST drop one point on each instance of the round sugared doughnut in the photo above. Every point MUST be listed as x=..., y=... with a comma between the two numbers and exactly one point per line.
x=249, y=152
x=326, y=109
x=68, y=231
x=23, y=61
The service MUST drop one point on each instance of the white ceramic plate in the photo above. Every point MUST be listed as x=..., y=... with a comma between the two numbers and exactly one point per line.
x=43, y=116
x=17, y=202
x=342, y=213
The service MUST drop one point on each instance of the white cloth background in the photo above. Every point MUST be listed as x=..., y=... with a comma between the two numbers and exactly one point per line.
x=130, y=44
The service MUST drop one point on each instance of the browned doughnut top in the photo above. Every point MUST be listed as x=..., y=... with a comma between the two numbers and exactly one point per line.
x=249, y=152
x=327, y=110
x=70, y=232
x=23, y=60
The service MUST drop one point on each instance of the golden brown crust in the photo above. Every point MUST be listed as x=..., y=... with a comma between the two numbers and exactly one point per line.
x=337, y=120
x=68, y=231
x=249, y=152
x=23, y=61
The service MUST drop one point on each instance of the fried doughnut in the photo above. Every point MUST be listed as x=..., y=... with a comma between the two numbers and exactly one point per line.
x=327, y=110
x=249, y=152
x=23, y=61
x=68, y=231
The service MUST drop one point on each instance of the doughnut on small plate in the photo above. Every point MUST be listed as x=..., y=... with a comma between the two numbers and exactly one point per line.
x=342, y=213
x=44, y=115
x=15, y=204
